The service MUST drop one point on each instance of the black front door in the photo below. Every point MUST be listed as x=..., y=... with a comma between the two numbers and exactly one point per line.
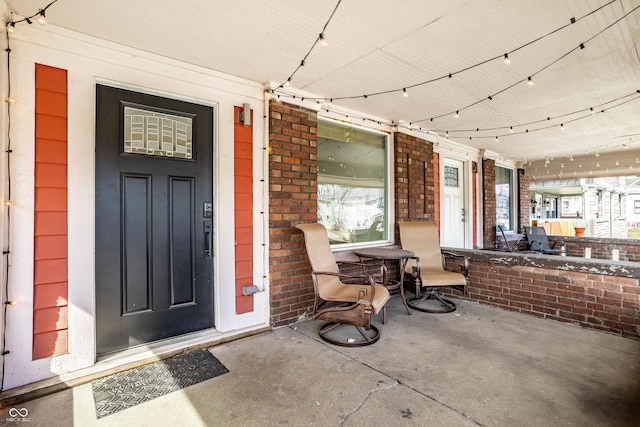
x=153, y=218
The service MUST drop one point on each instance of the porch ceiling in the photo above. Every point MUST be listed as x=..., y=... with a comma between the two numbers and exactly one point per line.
x=378, y=45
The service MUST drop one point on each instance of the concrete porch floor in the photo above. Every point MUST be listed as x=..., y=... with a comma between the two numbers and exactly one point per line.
x=478, y=366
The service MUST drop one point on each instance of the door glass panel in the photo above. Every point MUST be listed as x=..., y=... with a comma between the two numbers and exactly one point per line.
x=154, y=133
x=450, y=176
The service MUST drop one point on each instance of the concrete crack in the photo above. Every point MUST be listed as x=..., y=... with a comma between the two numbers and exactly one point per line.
x=354, y=410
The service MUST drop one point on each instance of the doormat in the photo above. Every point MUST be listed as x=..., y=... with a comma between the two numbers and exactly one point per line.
x=130, y=388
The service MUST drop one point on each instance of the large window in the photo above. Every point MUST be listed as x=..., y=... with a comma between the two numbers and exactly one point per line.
x=352, y=183
x=505, y=193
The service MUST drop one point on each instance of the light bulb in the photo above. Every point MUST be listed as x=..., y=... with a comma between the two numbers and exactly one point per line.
x=10, y=27
x=561, y=126
x=288, y=82
x=506, y=59
x=10, y=100
x=405, y=93
x=511, y=129
x=41, y=18
x=447, y=135
x=529, y=81
x=496, y=140
x=457, y=114
x=323, y=41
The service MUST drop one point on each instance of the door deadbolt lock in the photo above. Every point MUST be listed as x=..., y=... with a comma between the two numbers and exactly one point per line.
x=207, y=210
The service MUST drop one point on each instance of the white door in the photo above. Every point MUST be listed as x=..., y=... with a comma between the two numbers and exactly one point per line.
x=453, y=211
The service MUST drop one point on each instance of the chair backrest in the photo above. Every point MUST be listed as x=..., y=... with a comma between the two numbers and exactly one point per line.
x=421, y=238
x=500, y=230
x=537, y=238
x=316, y=240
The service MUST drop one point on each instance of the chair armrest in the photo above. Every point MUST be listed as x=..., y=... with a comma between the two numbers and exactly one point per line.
x=464, y=268
x=362, y=291
x=381, y=277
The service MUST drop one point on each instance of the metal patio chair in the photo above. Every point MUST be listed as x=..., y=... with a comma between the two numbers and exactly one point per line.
x=538, y=242
x=339, y=301
x=426, y=273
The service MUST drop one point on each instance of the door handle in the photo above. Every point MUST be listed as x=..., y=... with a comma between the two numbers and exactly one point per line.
x=463, y=213
x=207, y=240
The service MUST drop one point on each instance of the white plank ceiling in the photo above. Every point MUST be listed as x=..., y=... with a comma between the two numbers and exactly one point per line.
x=380, y=45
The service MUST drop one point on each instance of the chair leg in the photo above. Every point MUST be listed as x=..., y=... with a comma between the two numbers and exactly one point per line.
x=447, y=305
x=341, y=338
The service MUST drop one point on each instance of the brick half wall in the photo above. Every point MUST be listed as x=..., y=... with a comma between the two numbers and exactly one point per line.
x=568, y=290
x=293, y=199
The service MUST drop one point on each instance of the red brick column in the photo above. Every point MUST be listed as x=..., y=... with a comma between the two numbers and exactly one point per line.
x=293, y=199
x=489, y=202
x=414, y=179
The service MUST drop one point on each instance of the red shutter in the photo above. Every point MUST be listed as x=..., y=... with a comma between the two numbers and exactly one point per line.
x=243, y=207
x=50, y=279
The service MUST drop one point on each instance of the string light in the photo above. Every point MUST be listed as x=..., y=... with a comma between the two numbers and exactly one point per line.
x=529, y=81
x=42, y=20
x=633, y=96
x=405, y=93
x=322, y=40
x=40, y=17
x=10, y=27
x=457, y=114
x=504, y=56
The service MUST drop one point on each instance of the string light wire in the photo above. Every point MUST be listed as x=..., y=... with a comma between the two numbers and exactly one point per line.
x=591, y=110
x=40, y=17
x=526, y=79
x=320, y=39
x=7, y=232
x=450, y=75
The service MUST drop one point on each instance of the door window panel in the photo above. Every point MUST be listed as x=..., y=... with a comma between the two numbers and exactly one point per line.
x=154, y=133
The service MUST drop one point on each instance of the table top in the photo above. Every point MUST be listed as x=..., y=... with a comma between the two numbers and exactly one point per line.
x=383, y=253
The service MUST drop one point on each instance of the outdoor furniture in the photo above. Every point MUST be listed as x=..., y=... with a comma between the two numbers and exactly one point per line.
x=338, y=302
x=508, y=246
x=426, y=269
x=389, y=254
x=538, y=242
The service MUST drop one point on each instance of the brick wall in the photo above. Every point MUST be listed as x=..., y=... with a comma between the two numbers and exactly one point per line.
x=628, y=249
x=414, y=178
x=293, y=185
x=606, y=303
x=489, y=202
